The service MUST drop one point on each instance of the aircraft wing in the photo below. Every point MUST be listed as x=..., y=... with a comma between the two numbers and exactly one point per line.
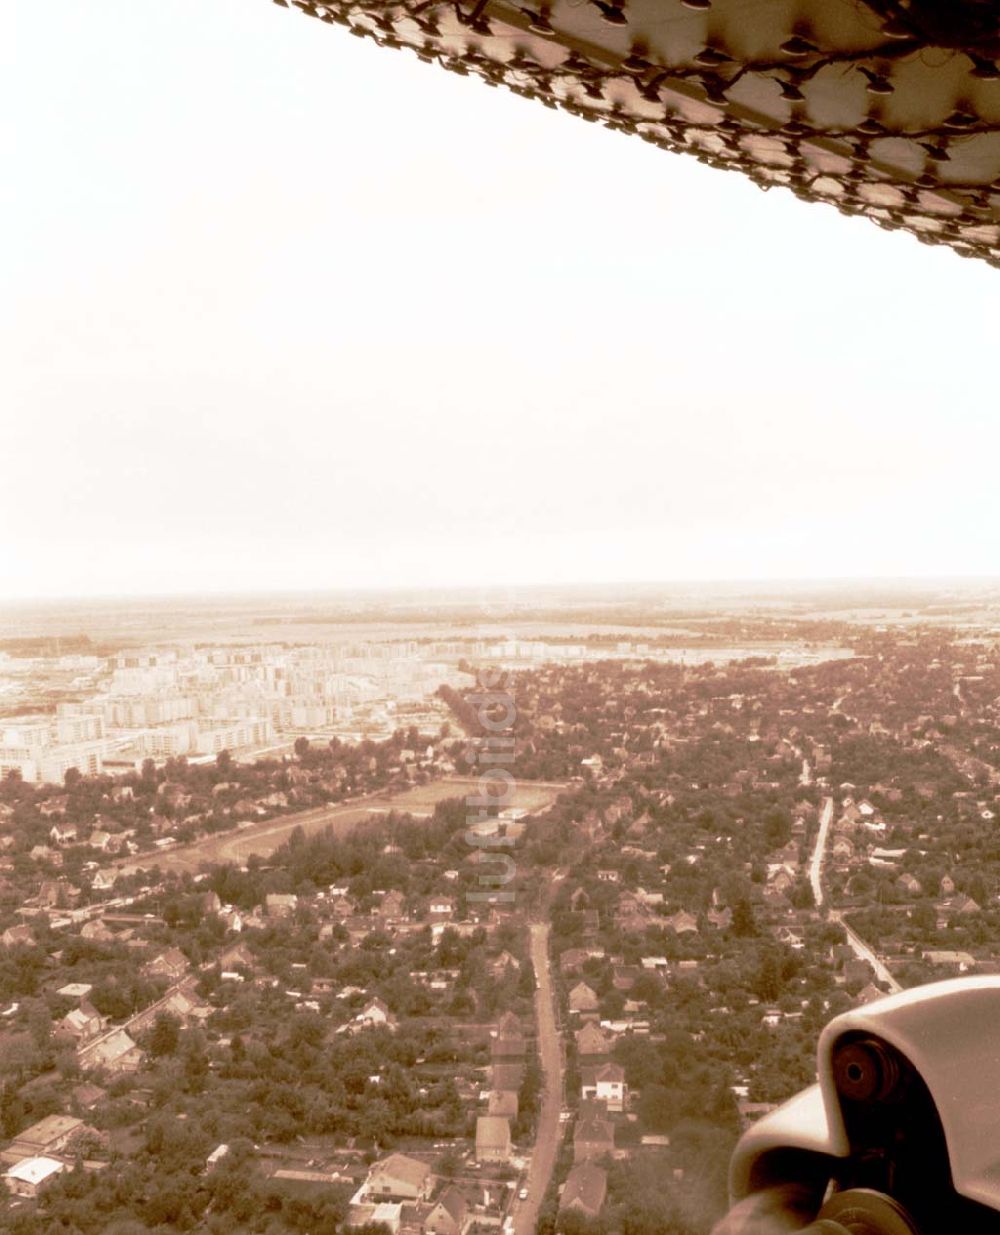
x=888, y=109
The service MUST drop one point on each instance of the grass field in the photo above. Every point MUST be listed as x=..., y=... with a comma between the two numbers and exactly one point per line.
x=263, y=838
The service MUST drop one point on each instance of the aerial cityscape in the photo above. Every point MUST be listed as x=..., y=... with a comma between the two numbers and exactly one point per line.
x=458, y=926
x=500, y=618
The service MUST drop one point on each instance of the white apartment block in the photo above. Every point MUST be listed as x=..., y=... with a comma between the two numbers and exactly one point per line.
x=205, y=737
x=233, y=735
x=43, y=748
x=140, y=711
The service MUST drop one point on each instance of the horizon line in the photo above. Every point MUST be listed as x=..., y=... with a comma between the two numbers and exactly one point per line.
x=468, y=590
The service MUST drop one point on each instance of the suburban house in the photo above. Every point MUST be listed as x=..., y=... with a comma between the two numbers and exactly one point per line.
x=236, y=955
x=682, y=922
x=401, y=1177
x=29, y=1175
x=593, y=1138
x=503, y=964
x=508, y=1026
x=591, y=1040
x=842, y=849
x=103, y=880
x=105, y=842
x=54, y=892
x=585, y=1189
x=449, y=1215
x=572, y=959
x=582, y=999
x=909, y=884
x=492, y=1138
x=114, y=1051
x=604, y=1083
x=503, y=1102
x=507, y=1075
x=50, y=1135
x=172, y=964
x=375, y=1014
x=960, y=962
x=280, y=904
x=82, y=1023
x=623, y=977
x=391, y=906
x=54, y=806
x=179, y=1001
x=389, y=1215
x=86, y=1097
x=507, y=1047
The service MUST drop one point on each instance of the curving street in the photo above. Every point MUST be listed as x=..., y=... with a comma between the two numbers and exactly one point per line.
x=861, y=950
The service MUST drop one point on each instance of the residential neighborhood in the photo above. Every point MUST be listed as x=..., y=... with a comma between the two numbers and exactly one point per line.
x=347, y=1027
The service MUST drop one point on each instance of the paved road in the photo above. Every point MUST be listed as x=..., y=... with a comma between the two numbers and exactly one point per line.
x=865, y=952
x=861, y=950
x=543, y=1156
x=969, y=765
x=819, y=851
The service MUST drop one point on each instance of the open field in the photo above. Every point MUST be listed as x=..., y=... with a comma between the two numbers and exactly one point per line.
x=264, y=837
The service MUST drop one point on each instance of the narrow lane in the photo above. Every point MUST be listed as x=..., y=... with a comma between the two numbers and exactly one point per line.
x=819, y=852
x=543, y=1156
x=861, y=950
x=865, y=952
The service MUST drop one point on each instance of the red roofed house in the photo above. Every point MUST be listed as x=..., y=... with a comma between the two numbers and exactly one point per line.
x=585, y=1189
x=449, y=1215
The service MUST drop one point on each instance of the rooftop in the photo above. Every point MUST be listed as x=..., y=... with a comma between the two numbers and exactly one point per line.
x=35, y=1170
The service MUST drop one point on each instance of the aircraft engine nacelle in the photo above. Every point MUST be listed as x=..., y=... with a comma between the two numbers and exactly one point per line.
x=901, y=1134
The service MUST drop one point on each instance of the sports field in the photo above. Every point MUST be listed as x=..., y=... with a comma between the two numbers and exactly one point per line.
x=263, y=838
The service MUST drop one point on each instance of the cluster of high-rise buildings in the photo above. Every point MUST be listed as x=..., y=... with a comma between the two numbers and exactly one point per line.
x=44, y=748
x=93, y=713
x=197, y=702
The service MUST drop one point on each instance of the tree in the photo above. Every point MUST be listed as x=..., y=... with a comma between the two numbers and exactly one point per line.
x=657, y=1108
x=195, y=1061
x=449, y=1164
x=39, y=1021
x=224, y=762
x=766, y=982
x=777, y=828
x=165, y=1035
x=802, y=896
x=11, y=1109
x=301, y=747
x=744, y=924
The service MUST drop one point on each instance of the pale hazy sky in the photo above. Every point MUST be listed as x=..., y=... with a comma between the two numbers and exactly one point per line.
x=285, y=310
